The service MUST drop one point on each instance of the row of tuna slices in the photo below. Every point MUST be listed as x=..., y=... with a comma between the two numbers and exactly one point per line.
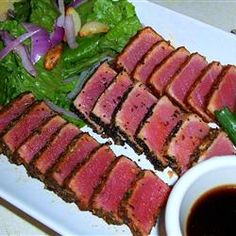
x=186, y=78
x=79, y=169
x=161, y=129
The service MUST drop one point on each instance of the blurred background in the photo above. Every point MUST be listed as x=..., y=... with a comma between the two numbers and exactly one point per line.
x=219, y=13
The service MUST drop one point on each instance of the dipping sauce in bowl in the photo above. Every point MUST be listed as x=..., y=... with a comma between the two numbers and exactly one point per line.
x=211, y=187
x=214, y=213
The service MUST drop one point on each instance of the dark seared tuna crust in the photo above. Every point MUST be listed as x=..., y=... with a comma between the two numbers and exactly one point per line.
x=108, y=217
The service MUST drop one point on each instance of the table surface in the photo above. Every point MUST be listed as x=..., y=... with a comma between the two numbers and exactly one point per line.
x=218, y=13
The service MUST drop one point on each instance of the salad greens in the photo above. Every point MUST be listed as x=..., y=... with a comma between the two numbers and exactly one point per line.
x=123, y=23
x=53, y=85
x=13, y=27
x=22, y=10
x=43, y=13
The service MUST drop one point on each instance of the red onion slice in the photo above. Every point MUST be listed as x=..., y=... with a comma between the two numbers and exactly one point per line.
x=57, y=35
x=40, y=42
x=27, y=63
x=21, y=51
x=61, y=18
x=11, y=46
x=70, y=31
x=6, y=37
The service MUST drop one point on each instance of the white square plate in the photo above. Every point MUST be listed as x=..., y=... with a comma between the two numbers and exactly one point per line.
x=29, y=195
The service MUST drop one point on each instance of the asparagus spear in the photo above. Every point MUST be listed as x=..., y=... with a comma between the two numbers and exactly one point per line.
x=227, y=120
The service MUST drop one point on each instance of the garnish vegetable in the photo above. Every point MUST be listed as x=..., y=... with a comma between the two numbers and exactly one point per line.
x=119, y=17
x=227, y=120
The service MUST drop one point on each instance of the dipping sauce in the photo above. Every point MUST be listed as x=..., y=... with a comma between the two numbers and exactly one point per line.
x=214, y=213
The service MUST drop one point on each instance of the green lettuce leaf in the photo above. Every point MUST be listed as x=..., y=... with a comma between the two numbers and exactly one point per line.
x=88, y=48
x=123, y=23
x=47, y=85
x=108, y=12
x=44, y=13
x=12, y=26
x=22, y=10
x=127, y=28
x=85, y=10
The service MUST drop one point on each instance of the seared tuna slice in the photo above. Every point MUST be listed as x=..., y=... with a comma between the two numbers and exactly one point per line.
x=92, y=90
x=109, y=100
x=136, y=49
x=163, y=73
x=27, y=124
x=143, y=202
x=182, y=81
x=52, y=152
x=107, y=199
x=215, y=144
x=156, y=130
x=15, y=109
x=89, y=176
x=34, y=144
x=133, y=111
x=197, y=99
x=189, y=136
x=153, y=57
x=78, y=152
x=224, y=93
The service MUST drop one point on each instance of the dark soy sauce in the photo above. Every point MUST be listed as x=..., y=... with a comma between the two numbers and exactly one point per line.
x=214, y=213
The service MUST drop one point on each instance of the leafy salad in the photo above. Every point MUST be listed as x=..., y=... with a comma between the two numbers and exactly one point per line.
x=34, y=29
